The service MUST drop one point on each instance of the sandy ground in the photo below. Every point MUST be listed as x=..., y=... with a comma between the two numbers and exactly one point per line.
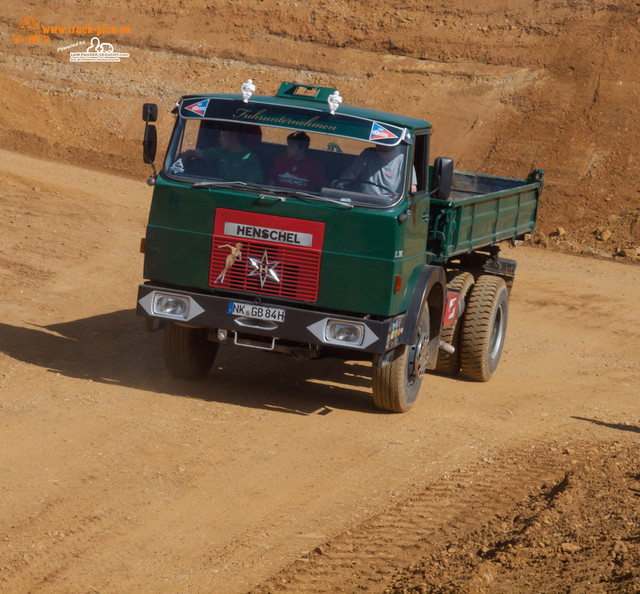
x=116, y=477
x=272, y=475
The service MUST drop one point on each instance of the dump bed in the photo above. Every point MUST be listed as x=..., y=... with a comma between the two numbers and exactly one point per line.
x=482, y=210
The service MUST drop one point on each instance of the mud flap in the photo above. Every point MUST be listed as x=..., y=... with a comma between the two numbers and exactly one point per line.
x=430, y=291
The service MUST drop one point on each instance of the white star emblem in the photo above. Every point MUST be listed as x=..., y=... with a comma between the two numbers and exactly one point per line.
x=264, y=269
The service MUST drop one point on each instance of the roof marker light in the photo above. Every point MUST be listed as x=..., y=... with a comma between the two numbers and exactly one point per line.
x=334, y=100
x=247, y=90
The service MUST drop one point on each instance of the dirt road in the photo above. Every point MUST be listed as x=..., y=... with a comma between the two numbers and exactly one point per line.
x=115, y=477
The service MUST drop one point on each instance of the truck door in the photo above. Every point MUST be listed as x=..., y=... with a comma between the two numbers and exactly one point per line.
x=418, y=200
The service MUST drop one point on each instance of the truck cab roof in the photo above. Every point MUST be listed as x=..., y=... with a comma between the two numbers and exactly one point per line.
x=304, y=107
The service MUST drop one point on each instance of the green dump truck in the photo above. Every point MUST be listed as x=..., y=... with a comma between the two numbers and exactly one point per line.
x=296, y=224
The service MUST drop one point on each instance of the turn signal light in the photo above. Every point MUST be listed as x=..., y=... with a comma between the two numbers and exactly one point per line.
x=397, y=283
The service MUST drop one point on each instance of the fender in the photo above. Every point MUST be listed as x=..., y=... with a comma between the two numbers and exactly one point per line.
x=430, y=277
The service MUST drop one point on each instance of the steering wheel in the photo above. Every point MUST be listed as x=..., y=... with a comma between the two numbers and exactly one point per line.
x=353, y=185
x=195, y=165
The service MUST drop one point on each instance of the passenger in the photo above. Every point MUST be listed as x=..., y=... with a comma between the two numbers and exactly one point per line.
x=233, y=160
x=296, y=169
x=377, y=170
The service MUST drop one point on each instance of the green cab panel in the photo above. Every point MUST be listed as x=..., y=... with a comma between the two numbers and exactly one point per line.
x=362, y=250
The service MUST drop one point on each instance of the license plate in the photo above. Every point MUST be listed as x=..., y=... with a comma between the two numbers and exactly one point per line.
x=259, y=312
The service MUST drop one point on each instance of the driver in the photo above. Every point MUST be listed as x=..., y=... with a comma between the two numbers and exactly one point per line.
x=234, y=161
x=377, y=170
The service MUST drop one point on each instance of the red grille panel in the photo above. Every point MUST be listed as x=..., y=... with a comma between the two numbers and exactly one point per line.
x=269, y=267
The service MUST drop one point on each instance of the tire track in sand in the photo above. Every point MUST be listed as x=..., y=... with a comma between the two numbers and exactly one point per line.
x=367, y=556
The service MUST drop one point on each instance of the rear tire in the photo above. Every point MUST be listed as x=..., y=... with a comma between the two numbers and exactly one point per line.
x=484, y=328
x=187, y=352
x=449, y=364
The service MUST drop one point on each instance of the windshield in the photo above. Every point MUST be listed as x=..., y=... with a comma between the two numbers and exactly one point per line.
x=280, y=158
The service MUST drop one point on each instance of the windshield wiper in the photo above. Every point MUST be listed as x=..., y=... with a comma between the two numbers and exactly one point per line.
x=269, y=191
x=304, y=196
x=228, y=183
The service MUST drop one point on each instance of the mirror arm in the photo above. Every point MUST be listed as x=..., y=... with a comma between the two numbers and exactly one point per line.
x=152, y=180
x=425, y=197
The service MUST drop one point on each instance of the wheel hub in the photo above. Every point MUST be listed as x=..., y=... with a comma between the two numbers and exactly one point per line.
x=420, y=354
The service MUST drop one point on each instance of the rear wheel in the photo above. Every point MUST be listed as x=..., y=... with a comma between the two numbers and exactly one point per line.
x=396, y=386
x=187, y=352
x=484, y=328
x=449, y=364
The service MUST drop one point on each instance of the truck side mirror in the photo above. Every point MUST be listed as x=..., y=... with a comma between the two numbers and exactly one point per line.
x=149, y=112
x=149, y=144
x=442, y=178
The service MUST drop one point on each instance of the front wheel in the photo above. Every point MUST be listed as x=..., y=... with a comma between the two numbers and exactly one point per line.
x=187, y=352
x=484, y=328
x=396, y=385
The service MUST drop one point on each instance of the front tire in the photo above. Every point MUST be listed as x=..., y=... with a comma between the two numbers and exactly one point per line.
x=396, y=385
x=484, y=328
x=187, y=352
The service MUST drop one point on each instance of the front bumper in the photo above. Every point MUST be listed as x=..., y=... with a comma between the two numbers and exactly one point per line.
x=299, y=325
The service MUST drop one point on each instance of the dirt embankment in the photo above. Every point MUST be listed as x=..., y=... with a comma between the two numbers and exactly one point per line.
x=507, y=87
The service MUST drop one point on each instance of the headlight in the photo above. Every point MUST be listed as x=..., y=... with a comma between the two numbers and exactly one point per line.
x=345, y=333
x=171, y=305
x=339, y=332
